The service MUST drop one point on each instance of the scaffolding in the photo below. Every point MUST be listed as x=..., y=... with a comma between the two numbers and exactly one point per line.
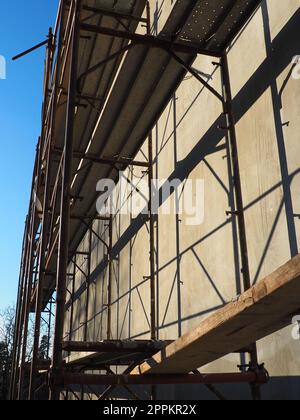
x=58, y=217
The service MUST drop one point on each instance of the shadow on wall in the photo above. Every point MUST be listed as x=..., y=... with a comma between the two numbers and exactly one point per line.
x=284, y=388
x=279, y=388
x=280, y=54
x=279, y=124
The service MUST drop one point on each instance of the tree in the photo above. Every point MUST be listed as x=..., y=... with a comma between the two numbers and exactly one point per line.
x=7, y=326
x=44, y=348
x=5, y=363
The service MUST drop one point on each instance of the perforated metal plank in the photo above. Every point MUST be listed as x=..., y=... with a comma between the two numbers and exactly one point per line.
x=214, y=23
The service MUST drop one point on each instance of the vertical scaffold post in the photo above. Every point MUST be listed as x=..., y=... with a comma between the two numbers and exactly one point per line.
x=228, y=111
x=73, y=280
x=110, y=277
x=64, y=227
x=16, y=345
x=22, y=299
x=19, y=376
x=88, y=275
x=152, y=242
x=45, y=218
x=151, y=216
x=30, y=265
x=49, y=329
x=153, y=328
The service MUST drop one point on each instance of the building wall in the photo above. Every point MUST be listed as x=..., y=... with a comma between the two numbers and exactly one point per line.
x=198, y=267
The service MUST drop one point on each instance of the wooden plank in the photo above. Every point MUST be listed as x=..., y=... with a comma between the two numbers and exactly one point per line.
x=267, y=307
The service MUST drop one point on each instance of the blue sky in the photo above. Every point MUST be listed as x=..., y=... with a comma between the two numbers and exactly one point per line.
x=22, y=25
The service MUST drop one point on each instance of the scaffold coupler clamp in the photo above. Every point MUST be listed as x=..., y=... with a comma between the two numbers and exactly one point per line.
x=261, y=373
x=56, y=377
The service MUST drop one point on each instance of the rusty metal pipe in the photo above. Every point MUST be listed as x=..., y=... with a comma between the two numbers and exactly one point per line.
x=63, y=255
x=115, y=346
x=228, y=111
x=66, y=379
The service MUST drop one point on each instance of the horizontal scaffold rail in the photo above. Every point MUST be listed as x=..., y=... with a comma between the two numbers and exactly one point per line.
x=66, y=379
x=117, y=345
x=106, y=160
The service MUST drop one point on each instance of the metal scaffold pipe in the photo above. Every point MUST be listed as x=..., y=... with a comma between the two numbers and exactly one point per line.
x=63, y=248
